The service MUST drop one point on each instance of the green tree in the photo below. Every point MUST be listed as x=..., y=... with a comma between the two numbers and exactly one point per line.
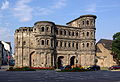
x=116, y=47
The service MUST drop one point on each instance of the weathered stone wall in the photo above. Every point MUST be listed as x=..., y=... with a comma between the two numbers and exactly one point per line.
x=105, y=58
x=42, y=44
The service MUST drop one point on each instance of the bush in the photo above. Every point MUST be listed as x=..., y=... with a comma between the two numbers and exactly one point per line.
x=21, y=69
x=75, y=69
x=42, y=68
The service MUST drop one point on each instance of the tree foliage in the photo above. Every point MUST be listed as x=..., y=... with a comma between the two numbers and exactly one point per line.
x=116, y=45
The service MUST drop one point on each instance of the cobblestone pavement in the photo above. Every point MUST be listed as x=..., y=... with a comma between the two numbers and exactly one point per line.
x=52, y=76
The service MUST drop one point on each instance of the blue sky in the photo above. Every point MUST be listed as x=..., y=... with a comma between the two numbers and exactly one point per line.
x=20, y=13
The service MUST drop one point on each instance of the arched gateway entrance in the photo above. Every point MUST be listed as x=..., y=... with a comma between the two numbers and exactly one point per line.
x=60, y=62
x=72, y=60
x=31, y=60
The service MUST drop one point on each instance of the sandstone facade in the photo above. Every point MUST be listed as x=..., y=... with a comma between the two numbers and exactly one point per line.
x=47, y=44
x=103, y=54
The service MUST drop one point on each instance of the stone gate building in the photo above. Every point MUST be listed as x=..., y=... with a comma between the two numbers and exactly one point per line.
x=47, y=44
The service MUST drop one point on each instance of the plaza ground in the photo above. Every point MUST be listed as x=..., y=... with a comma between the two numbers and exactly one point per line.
x=53, y=76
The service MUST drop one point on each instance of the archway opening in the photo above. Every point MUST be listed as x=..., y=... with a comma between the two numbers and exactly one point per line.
x=31, y=59
x=72, y=60
x=60, y=61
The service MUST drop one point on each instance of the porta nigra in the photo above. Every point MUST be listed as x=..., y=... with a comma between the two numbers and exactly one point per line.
x=47, y=44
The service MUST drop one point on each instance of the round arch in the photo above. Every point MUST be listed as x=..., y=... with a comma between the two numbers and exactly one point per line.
x=30, y=60
x=60, y=62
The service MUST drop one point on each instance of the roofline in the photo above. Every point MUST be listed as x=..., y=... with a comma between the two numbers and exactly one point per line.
x=82, y=17
x=44, y=22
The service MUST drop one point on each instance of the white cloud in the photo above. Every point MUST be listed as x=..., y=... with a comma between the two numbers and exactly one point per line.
x=46, y=11
x=59, y=4
x=23, y=11
x=5, y=5
x=91, y=8
x=43, y=11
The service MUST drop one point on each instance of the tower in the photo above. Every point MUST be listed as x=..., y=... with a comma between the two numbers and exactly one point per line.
x=86, y=25
x=44, y=41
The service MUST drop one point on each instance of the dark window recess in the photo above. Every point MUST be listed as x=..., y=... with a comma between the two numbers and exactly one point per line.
x=83, y=22
x=83, y=45
x=68, y=44
x=47, y=28
x=72, y=33
x=87, y=33
x=69, y=33
x=77, y=34
x=57, y=43
x=87, y=44
x=60, y=44
x=60, y=32
x=72, y=44
x=76, y=45
x=65, y=44
x=47, y=42
x=24, y=42
x=64, y=32
x=87, y=22
x=42, y=29
x=57, y=31
x=42, y=43
x=83, y=34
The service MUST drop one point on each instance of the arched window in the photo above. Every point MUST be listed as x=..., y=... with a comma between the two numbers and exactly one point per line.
x=83, y=22
x=87, y=44
x=69, y=33
x=87, y=22
x=60, y=44
x=47, y=28
x=72, y=44
x=68, y=44
x=83, y=45
x=83, y=34
x=24, y=42
x=76, y=45
x=57, y=31
x=72, y=33
x=64, y=32
x=42, y=42
x=47, y=42
x=76, y=33
x=65, y=44
x=42, y=29
x=60, y=32
x=57, y=43
x=87, y=33
x=38, y=42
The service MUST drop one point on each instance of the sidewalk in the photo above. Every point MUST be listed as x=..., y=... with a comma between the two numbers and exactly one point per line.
x=4, y=68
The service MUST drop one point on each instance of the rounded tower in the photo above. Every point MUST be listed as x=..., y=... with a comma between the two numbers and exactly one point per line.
x=87, y=36
x=44, y=41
